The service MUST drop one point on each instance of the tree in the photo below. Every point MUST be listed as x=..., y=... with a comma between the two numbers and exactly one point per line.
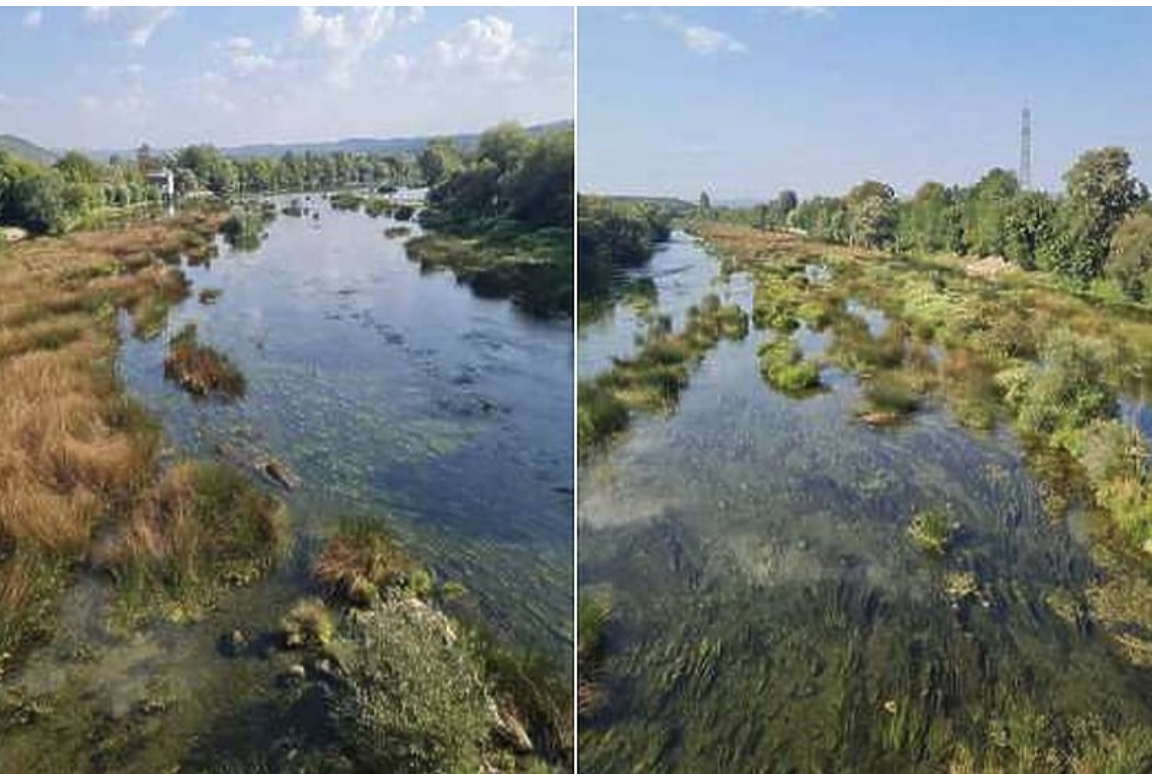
x=930, y=222
x=1029, y=226
x=37, y=202
x=987, y=204
x=78, y=168
x=438, y=161
x=504, y=145
x=705, y=201
x=1100, y=193
x=871, y=214
x=1130, y=258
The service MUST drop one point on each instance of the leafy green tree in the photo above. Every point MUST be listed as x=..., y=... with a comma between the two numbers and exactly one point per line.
x=705, y=201
x=439, y=160
x=1130, y=258
x=1029, y=226
x=1100, y=192
x=871, y=214
x=987, y=205
x=37, y=202
x=78, y=168
x=930, y=221
x=505, y=146
x=541, y=190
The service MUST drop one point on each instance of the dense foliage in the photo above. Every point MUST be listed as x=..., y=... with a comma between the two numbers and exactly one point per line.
x=1096, y=228
x=57, y=198
x=615, y=233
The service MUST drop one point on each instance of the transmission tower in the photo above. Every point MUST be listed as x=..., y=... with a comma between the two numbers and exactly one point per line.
x=1026, y=149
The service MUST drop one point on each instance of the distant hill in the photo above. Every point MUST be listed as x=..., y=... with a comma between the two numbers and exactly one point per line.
x=391, y=145
x=26, y=150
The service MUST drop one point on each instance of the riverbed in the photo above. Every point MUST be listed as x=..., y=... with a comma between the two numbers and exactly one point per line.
x=771, y=614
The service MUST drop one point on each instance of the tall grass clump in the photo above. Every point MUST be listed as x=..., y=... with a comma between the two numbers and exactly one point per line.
x=200, y=369
x=360, y=561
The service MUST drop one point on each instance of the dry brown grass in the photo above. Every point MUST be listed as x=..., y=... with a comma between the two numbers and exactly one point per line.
x=359, y=561
x=73, y=448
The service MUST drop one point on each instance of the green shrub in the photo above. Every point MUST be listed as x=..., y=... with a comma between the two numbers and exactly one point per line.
x=783, y=366
x=407, y=699
x=1065, y=391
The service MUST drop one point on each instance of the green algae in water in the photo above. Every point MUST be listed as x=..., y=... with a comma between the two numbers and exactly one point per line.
x=773, y=615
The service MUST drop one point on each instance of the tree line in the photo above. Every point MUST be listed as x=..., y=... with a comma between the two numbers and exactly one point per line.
x=1097, y=231
x=56, y=198
x=512, y=178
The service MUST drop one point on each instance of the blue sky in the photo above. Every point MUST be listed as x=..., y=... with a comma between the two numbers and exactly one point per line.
x=746, y=101
x=112, y=77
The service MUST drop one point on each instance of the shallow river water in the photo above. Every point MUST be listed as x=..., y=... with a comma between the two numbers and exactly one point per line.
x=391, y=394
x=771, y=614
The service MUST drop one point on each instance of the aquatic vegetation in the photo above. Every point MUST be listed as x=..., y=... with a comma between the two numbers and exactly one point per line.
x=244, y=229
x=360, y=561
x=534, y=269
x=346, y=200
x=376, y=206
x=206, y=526
x=308, y=623
x=593, y=616
x=407, y=699
x=210, y=296
x=200, y=369
x=397, y=232
x=599, y=414
x=532, y=695
x=886, y=399
x=784, y=367
x=294, y=209
x=933, y=531
x=653, y=379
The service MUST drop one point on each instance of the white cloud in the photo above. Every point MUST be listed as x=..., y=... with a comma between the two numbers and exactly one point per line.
x=700, y=39
x=706, y=40
x=243, y=56
x=342, y=38
x=138, y=23
x=33, y=18
x=808, y=11
x=485, y=45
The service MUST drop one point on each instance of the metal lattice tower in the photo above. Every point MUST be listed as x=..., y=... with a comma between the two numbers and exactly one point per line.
x=1026, y=149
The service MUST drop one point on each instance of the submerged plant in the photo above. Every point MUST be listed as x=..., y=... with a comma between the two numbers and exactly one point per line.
x=933, y=531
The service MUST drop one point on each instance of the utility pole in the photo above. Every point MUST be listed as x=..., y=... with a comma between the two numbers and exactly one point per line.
x=1025, y=173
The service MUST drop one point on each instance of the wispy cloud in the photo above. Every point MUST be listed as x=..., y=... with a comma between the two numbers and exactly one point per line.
x=32, y=19
x=138, y=23
x=700, y=39
x=809, y=11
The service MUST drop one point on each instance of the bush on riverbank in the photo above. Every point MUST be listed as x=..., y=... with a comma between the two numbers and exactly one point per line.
x=407, y=699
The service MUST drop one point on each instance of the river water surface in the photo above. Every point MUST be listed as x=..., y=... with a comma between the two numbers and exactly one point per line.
x=771, y=614
x=391, y=394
